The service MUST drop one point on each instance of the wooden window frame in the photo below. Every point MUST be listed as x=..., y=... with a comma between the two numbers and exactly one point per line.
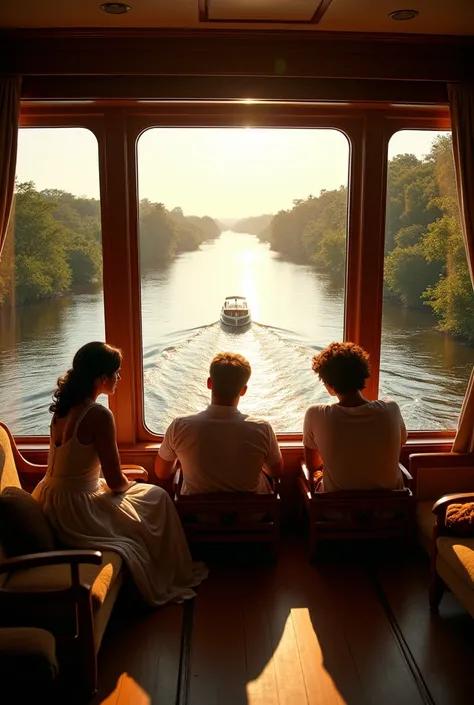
x=118, y=125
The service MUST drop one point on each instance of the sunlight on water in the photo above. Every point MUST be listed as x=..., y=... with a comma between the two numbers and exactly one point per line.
x=295, y=312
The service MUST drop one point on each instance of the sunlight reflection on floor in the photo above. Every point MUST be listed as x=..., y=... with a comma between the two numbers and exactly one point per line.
x=295, y=673
x=128, y=691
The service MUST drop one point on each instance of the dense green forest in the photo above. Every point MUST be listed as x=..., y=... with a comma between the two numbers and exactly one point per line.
x=54, y=242
x=425, y=261
x=254, y=224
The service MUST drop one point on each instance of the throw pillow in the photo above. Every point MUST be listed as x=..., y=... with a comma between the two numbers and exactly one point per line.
x=24, y=527
x=460, y=519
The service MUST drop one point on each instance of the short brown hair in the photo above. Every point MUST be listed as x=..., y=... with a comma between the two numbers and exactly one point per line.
x=229, y=373
x=342, y=366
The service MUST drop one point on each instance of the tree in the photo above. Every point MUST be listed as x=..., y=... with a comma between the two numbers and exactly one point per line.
x=41, y=266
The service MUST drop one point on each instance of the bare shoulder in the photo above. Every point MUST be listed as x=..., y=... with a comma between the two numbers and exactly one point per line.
x=100, y=416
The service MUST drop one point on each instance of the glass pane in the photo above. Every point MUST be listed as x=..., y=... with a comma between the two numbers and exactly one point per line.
x=255, y=213
x=51, y=299
x=428, y=314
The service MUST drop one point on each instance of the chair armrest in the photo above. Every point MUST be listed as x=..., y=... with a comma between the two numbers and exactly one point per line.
x=39, y=560
x=22, y=464
x=443, y=503
x=177, y=481
x=408, y=478
x=440, y=507
x=436, y=460
x=307, y=476
x=134, y=472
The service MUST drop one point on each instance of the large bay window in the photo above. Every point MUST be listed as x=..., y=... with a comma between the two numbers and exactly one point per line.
x=136, y=234
x=51, y=299
x=256, y=213
x=428, y=316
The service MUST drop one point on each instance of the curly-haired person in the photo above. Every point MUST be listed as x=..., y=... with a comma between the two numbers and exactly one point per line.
x=356, y=442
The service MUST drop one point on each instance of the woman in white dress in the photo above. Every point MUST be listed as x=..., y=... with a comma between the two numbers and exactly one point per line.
x=88, y=499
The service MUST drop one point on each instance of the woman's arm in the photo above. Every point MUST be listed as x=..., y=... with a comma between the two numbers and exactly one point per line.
x=105, y=439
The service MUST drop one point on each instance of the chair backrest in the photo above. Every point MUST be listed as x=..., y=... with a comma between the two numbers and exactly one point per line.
x=8, y=472
x=363, y=513
x=229, y=516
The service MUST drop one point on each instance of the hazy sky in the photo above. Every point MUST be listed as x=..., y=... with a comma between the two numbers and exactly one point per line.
x=217, y=172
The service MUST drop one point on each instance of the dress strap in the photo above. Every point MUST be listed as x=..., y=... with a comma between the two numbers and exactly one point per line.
x=81, y=416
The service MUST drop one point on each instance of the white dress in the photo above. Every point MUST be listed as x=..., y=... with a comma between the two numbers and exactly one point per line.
x=141, y=524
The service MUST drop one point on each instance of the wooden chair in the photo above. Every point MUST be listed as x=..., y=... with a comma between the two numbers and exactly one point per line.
x=229, y=517
x=356, y=514
x=455, y=565
x=70, y=593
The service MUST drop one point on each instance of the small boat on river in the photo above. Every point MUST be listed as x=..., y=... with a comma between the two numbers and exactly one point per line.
x=235, y=312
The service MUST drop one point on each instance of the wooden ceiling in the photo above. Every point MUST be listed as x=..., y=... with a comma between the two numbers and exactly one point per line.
x=455, y=17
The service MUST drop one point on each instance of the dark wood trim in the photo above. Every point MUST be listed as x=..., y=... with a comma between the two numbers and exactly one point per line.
x=321, y=10
x=40, y=560
x=316, y=17
x=216, y=88
x=236, y=53
x=399, y=637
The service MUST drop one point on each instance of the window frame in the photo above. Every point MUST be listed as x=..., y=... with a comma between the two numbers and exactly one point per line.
x=117, y=126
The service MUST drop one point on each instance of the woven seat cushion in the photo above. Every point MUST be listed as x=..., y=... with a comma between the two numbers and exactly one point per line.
x=100, y=577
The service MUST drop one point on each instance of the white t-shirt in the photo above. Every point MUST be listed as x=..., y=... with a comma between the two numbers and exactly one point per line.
x=359, y=445
x=221, y=450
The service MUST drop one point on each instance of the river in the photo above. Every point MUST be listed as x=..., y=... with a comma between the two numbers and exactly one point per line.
x=295, y=312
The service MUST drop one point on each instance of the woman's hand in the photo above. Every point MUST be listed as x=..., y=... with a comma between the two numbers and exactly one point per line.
x=126, y=485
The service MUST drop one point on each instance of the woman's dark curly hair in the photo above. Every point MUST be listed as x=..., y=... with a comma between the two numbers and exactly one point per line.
x=90, y=362
x=342, y=366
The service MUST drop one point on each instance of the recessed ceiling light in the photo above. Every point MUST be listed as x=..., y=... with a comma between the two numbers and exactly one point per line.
x=115, y=8
x=401, y=15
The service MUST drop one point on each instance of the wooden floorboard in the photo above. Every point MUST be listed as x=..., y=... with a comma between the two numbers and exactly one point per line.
x=349, y=632
x=442, y=645
x=140, y=657
x=293, y=635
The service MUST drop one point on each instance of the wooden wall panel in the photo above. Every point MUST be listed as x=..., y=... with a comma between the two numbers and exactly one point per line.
x=236, y=53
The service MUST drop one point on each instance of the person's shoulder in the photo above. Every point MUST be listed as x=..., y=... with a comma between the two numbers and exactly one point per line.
x=186, y=420
x=318, y=409
x=391, y=407
x=256, y=421
x=389, y=404
x=99, y=412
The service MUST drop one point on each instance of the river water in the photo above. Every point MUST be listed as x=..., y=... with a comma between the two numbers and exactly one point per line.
x=295, y=313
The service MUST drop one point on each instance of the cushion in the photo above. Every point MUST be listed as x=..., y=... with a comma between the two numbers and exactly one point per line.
x=459, y=555
x=460, y=519
x=8, y=473
x=24, y=527
x=28, y=654
x=100, y=577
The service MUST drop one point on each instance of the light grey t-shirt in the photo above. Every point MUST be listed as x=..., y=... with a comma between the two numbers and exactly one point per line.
x=360, y=445
x=221, y=450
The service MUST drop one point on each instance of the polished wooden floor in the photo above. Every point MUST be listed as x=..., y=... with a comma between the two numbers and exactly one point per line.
x=354, y=631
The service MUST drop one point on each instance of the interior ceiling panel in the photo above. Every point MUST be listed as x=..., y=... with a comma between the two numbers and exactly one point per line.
x=435, y=16
x=261, y=10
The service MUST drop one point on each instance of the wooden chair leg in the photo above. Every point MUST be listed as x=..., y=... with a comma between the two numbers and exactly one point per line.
x=86, y=644
x=313, y=542
x=437, y=589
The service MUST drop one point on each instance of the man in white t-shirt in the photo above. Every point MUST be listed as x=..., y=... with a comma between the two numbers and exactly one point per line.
x=356, y=442
x=220, y=449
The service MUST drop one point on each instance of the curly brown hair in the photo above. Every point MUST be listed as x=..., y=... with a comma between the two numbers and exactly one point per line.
x=229, y=373
x=342, y=366
x=90, y=362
